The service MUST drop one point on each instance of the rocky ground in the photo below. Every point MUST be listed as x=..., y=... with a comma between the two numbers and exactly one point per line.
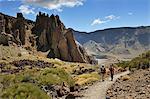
x=98, y=90
x=133, y=86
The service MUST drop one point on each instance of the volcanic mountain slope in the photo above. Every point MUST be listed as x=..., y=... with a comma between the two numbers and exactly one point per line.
x=92, y=45
x=119, y=41
x=94, y=48
x=46, y=34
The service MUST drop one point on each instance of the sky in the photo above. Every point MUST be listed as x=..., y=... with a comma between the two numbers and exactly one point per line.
x=85, y=15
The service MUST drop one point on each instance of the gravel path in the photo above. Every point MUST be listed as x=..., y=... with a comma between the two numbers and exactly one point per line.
x=98, y=90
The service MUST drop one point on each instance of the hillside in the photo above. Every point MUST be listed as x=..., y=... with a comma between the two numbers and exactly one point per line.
x=126, y=42
x=47, y=34
x=24, y=75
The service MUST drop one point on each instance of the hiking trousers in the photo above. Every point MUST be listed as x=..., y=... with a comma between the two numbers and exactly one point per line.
x=112, y=76
x=102, y=75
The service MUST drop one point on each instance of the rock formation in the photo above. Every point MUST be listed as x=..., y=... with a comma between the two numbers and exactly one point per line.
x=48, y=33
x=19, y=28
x=2, y=23
x=54, y=37
x=16, y=27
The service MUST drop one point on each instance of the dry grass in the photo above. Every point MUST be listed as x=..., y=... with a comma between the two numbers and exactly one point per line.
x=126, y=77
x=86, y=79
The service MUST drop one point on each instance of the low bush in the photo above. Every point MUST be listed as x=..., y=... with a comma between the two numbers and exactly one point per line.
x=24, y=91
x=55, y=76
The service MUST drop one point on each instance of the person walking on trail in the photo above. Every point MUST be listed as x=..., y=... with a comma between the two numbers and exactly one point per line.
x=111, y=69
x=102, y=71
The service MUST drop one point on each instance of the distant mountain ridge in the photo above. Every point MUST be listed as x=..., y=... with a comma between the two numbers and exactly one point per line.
x=119, y=41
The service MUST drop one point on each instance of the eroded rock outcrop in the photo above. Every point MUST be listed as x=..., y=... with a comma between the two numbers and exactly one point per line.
x=54, y=37
x=18, y=28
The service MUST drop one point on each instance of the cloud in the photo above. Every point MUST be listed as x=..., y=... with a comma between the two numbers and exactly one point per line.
x=25, y=9
x=112, y=17
x=130, y=13
x=98, y=21
x=106, y=19
x=55, y=4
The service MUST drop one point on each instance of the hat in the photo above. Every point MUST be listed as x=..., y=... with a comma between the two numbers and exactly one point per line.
x=102, y=65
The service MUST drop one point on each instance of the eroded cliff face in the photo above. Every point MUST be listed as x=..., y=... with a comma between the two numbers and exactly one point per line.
x=19, y=28
x=47, y=34
x=15, y=30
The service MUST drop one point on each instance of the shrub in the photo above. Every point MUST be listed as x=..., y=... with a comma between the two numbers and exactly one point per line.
x=126, y=77
x=55, y=76
x=7, y=80
x=19, y=54
x=24, y=91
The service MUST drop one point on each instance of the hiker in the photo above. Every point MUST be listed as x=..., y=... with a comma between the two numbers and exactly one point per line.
x=111, y=69
x=102, y=71
x=129, y=68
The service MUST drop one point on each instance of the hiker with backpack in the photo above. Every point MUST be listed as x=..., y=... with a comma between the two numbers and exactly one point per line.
x=102, y=71
x=111, y=69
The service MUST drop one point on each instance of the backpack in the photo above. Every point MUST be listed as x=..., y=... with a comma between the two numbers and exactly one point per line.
x=102, y=70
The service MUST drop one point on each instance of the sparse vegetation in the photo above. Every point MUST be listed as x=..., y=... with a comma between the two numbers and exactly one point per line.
x=7, y=51
x=143, y=61
x=23, y=74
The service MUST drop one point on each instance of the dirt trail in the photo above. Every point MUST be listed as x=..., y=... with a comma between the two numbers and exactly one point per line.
x=98, y=90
